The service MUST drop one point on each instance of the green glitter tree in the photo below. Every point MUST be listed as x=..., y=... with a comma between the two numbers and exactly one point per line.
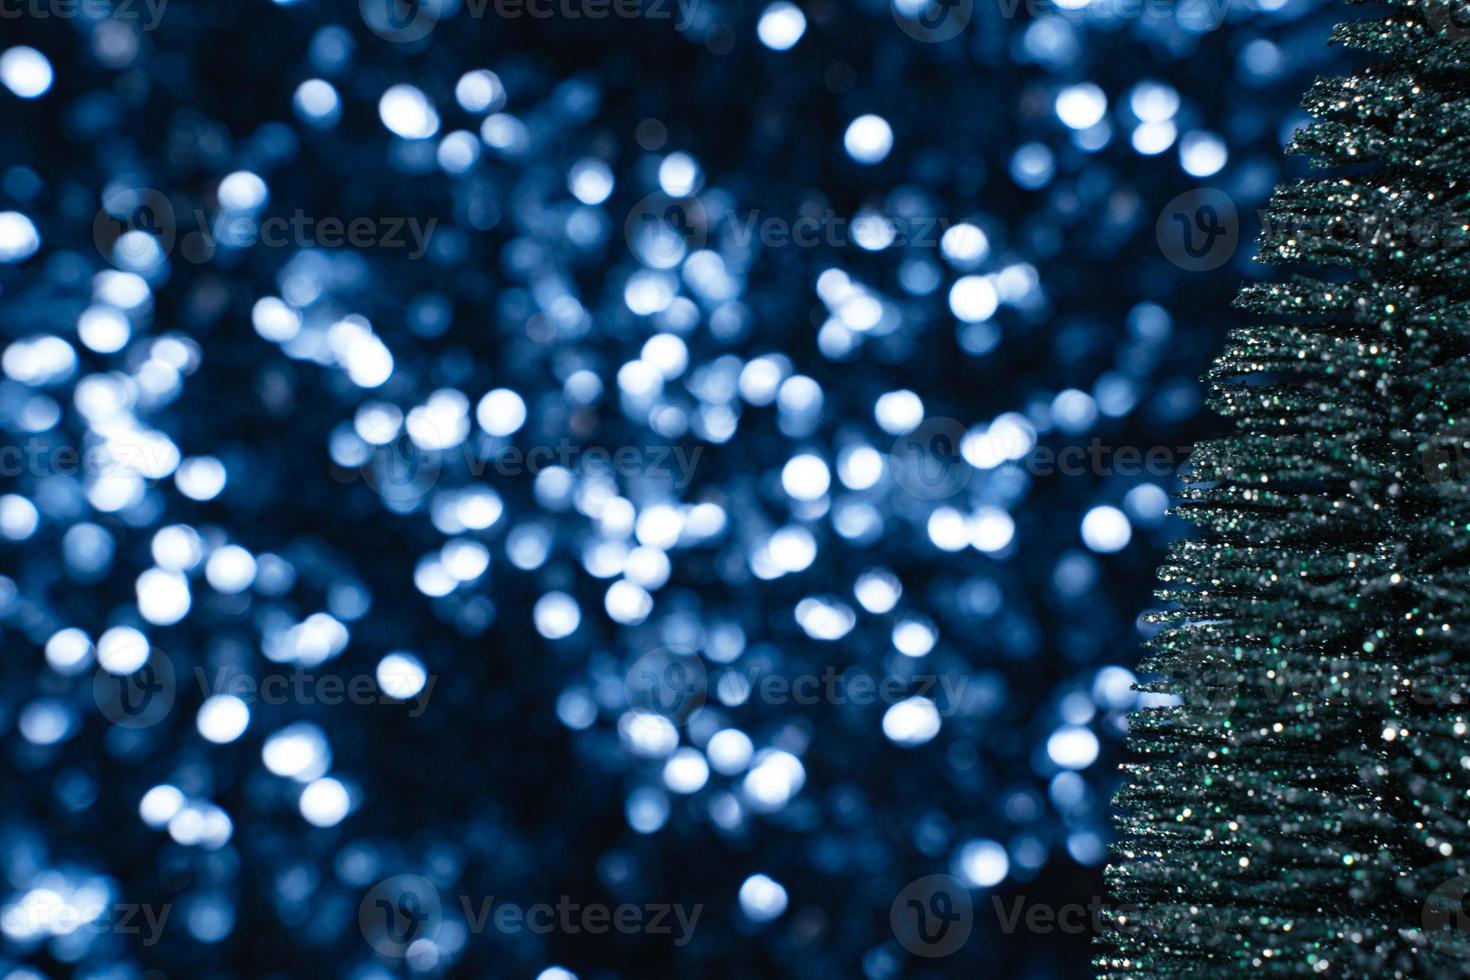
x=1304, y=810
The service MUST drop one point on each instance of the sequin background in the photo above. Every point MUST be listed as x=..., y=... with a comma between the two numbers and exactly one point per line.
x=462, y=460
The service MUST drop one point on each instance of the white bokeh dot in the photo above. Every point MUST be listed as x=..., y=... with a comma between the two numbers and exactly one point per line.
x=556, y=615
x=324, y=802
x=912, y=721
x=222, y=718
x=762, y=898
x=401, y=675
x=1081, y=106
x=26, y=72
x=868, y=139
x=781, y=25
x=1106, y=530
x=1072, y=747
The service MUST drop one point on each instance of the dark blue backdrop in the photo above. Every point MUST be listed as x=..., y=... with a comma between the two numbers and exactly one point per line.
x=630, y=488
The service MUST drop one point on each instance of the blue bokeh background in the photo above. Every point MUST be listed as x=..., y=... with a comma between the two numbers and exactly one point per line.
x=718, y=459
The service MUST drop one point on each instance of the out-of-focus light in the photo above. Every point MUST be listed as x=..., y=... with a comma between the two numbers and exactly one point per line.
x=762, y=898
x=1072, y=747
x=964, y=245
x=222, y=718
x=590, y=181
x=868, y=139
x=1152, y=138
x=1106, y=530
x=160, y=805
x=686, y=771
x=1202, y=154
x=878, y=591
x=781, y=25
x=1081, y=106
x=242, y=191
x=1112, y=688
x=991, y=530
x=679, y=175
x=19, y=239
x=501, y=412
x=230, y=569
x=1153, y=102
x=913, y=637
x=46, y=722
x=324, y=802
x=68, y=651
x=1146, y=503
x=774, y=779
x=406, y=111
x=26, y=72
x=806, y=477
x=317, y=103
x=556, y=615
x=479, y=91
x=984, y=863
x=458, y=151
x=860, y=467
x=898, y=412
x=825, y=619
x=1032, y=166
x=200, y=478
x=401, y=675
x=730, y=751
x=163, y=597
x=911, y=722
x=18, y=517
x=103, y=329
x=973, y=298
x=298, y=751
